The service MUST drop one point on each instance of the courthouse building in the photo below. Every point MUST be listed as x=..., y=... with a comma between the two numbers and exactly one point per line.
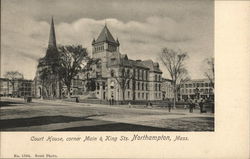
x=143, y=77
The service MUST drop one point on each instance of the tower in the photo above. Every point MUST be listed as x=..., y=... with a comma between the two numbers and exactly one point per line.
x=106, y=48
x=105, y=43
x=52, y=55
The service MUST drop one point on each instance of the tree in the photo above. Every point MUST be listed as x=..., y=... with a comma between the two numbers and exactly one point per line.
x=174, y=61
x=209, y=73
x=13, y=76
x=72, y=61
x=123, y=78
x=48, y=69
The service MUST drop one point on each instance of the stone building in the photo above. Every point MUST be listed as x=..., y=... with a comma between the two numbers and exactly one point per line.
x=119, y=78
x=167, y=89
x=21, y=88
x=49, y=88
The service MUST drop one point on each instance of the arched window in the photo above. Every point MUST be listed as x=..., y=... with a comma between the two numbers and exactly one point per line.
x=112, y=73
x=97, y=86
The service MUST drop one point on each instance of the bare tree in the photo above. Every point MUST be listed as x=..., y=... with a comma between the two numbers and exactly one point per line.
x=123, y=78
x=72, y=61
x=13, y=76
x=174, y=62
x=209, y=73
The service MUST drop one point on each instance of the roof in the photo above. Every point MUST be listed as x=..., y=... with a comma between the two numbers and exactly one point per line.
x=105, y=36
x=153, y=66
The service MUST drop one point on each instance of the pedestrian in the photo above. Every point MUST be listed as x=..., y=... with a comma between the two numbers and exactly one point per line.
x=110, y=102
x=129, y=104
x=169, y=107
x=191, y=106
x=201, y=105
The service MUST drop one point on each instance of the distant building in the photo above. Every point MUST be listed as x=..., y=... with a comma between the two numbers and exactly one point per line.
x=21, y=87
x=167, y=89
x=197, y=88
x=5, y=87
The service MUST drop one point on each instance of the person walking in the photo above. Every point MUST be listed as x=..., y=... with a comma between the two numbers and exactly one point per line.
x=191, y=106
x=201, y=105
x=169, y=106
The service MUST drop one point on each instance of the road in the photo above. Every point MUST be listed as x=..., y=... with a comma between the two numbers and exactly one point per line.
x=44, y=115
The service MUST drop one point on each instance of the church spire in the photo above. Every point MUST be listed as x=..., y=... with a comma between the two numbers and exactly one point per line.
x=52, y=35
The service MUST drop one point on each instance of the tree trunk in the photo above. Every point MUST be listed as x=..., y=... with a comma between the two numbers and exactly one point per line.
x=68, y=88
x=123, y=96
x=174, y=96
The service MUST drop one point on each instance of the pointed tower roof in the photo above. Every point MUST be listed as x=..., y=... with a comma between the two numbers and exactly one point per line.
x=52, y=35
x=105, y=36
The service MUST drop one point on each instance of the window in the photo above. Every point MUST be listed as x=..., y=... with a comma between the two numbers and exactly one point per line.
x=190, y=85
x=155, y=87
x=142, y=95
x=142, y=85
x=128, y=85
x=155, y=77
x=139, y=95
x=186, y=85
x=138, y=85
x=112, y=73
x=206, y=90
x=138, y=74
x=198, y=84
x=206, y=84
x=146, y=75
x=159, y=87
x=103, y=85
x=146, y=86
x=128, y=94
x=202, y=84
x=142, y=75
x=98, y=86
x=194, y=85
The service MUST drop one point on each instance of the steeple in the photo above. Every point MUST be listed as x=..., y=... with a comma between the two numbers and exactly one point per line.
x=52, y=35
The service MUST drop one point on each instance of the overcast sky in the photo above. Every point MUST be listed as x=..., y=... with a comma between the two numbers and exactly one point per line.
x=143, y=27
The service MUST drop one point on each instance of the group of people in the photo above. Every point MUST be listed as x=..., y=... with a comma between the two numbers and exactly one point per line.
x=191, y=105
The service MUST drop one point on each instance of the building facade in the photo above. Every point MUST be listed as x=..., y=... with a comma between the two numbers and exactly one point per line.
x=197, y=88
x=49, y=88
x=119, y=78
x=21, y=88
x=167, y=89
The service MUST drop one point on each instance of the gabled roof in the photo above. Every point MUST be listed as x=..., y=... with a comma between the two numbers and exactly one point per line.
x=105, y=36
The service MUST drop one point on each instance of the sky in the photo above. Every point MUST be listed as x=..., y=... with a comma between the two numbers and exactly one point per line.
x=143, y=27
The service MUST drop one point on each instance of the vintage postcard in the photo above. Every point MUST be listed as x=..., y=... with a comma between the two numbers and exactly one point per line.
x=122, y=79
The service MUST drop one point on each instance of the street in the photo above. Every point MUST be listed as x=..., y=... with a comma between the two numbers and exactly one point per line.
x=57, y=115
